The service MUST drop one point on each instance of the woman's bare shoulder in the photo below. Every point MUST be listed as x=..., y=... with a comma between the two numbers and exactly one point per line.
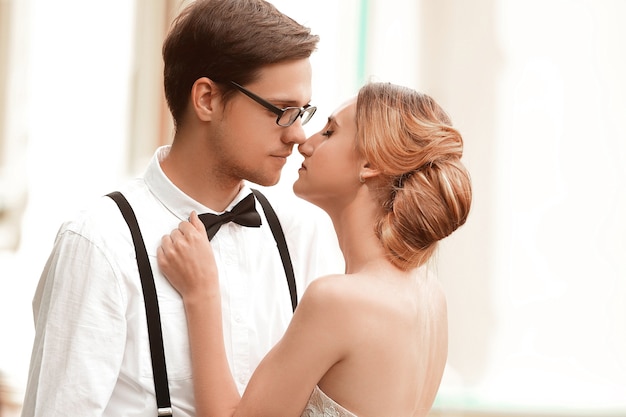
x=337, y=290
x=327, y=293
x=336, y=301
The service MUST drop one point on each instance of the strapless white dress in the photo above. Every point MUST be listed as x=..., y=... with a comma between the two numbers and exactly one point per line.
x=321, y=405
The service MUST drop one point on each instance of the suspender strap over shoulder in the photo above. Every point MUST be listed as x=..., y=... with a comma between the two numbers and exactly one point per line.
x=155, y=335
x=279, y=236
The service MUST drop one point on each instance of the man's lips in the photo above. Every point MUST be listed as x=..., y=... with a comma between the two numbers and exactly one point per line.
x=282, y=155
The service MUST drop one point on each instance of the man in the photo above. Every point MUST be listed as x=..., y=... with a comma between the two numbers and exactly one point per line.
x=238, y=83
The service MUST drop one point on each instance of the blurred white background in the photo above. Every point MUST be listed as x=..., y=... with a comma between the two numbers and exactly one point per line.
x=536, y=279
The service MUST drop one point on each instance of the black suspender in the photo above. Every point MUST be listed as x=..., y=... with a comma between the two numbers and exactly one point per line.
x=155, y=335
x=279, y=237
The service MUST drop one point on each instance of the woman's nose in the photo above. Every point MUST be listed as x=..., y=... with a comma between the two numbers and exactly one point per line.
x=306, y=147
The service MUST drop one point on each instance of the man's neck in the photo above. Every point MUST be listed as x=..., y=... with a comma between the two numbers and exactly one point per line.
x=193, y=175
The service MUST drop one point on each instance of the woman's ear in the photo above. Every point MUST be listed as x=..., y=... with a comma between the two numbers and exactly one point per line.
x=367, y=171
x=204, y=97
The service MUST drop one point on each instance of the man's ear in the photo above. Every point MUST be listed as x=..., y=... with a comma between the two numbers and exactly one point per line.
x=204, y=98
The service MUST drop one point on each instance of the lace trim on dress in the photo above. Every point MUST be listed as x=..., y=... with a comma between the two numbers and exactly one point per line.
x=321, y=405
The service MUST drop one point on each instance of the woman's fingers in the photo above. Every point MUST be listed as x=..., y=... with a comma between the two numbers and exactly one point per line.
x=196, y=222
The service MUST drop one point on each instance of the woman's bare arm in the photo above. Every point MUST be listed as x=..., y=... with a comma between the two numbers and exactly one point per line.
x=315, y=340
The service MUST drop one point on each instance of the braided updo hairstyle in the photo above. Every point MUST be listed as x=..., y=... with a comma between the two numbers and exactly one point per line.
x=424, y=188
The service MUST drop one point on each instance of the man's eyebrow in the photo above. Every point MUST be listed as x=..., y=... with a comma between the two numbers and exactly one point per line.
x=286, y=102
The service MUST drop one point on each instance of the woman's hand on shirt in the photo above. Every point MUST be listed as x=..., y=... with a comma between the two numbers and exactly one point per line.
x=186, y=259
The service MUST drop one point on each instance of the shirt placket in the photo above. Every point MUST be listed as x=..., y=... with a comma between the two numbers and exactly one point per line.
x=235, y=264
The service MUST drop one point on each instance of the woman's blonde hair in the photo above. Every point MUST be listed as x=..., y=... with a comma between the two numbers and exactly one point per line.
x=424, y=189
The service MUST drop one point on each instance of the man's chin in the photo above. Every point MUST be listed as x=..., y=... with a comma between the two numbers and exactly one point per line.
x=265, y=182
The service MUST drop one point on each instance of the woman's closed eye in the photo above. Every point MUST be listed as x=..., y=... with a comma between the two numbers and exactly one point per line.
x=328, y=133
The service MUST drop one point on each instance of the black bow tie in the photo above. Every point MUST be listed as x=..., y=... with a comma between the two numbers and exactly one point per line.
x=243, y=213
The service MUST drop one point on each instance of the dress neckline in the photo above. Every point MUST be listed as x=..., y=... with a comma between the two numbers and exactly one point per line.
x=344, y=412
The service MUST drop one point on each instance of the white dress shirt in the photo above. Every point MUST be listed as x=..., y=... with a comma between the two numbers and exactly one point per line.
x=91, y=355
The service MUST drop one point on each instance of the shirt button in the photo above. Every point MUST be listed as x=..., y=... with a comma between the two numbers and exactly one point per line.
x=237, y=318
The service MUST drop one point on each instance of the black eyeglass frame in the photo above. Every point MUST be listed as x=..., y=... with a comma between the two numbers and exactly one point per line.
x=308, y=109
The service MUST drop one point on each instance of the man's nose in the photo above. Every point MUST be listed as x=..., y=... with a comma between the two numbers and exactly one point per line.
x=294, y=134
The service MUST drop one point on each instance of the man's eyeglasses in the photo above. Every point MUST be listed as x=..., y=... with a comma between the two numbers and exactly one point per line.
x=288, y=115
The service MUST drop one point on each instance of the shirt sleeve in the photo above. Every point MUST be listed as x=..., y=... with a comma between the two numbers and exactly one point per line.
x=80, y=331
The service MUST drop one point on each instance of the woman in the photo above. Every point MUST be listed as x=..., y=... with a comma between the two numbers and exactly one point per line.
x=387, y=170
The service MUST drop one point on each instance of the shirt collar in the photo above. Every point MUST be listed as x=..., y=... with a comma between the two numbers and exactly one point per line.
x=172, y=197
